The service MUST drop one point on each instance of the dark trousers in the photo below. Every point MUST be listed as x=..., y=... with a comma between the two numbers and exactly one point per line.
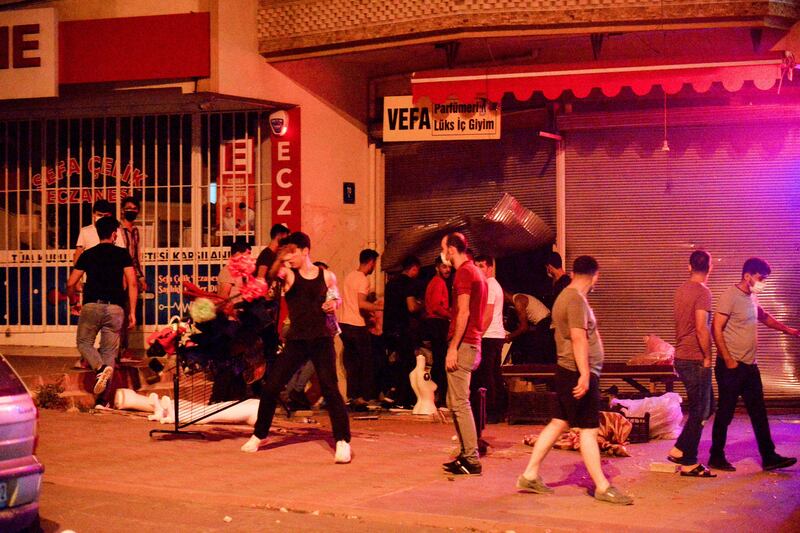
x=296, y=352
x=488, y=376
x=358, y=361
x=437, y=329
x=744, y=381
x=537, y=345
x=404, y=345
x=699, y=393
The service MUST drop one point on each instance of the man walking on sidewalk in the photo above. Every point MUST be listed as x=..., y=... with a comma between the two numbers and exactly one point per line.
x=693, y=361
x=577, y=384
x=464, y=351
x=107, y=267
x=735, y=329
x=311, y=295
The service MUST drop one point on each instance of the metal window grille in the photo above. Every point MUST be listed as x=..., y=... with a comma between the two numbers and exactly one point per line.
x=179, y=165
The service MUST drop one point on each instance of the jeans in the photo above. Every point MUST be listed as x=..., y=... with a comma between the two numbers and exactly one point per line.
x=301, y=377
x=321, y=353
x=488, y=376
x=744, y=380
x=699, y=393
x=469, y=356
x=107, y=319
x=358, y=362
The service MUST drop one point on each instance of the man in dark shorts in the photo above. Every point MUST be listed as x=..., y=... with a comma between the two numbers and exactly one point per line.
x=104, y=301
x=577, y=383
x=311, y=295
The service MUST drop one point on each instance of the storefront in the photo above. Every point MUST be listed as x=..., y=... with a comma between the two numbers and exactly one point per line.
x=645, y=184
x=187, y=132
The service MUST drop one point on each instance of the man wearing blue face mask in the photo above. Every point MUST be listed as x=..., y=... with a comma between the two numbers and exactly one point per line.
x=735, y=330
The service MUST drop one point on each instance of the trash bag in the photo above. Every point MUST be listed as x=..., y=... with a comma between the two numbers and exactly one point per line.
x=657, y=352
x=665, y=413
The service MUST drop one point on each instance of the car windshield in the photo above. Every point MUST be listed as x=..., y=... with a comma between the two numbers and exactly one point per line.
x=10, y=385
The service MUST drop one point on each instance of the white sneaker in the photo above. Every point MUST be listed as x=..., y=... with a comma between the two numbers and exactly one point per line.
x=103, y=377
x=342, y=452
x=253, y=444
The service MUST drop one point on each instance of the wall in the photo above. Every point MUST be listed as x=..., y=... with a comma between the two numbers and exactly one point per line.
x=334, y=146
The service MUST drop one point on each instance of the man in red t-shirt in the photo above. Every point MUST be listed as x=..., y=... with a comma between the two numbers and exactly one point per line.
x=464, y=351
x=437, y=324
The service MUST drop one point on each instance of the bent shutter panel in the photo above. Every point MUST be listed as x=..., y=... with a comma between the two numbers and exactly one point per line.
x=732, y=190
x=430, y=182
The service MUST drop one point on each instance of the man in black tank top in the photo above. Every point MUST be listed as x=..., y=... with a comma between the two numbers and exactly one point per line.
x=311, y=296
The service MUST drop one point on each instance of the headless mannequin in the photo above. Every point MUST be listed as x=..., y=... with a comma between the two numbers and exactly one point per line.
x=423, y=387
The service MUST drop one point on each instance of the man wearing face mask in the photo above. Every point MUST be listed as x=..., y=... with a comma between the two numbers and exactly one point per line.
x=87, y=238
x=131, y=238
x=470, y=293
x=735, y=330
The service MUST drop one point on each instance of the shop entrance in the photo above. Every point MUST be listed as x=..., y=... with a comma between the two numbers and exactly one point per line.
x=200, y=178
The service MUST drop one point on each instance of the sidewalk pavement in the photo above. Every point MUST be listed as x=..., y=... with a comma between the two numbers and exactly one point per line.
x=104, y=473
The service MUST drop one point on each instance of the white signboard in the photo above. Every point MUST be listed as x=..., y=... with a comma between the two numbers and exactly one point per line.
x=449, y=121
x=28, y=58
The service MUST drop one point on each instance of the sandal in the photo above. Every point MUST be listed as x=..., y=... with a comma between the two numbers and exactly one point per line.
x=698, y=471
x=673, y=459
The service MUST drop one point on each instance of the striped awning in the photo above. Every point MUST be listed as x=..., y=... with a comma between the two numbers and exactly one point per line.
x=553, y=80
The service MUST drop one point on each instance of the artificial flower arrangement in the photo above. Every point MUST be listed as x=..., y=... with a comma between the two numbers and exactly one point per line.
x=221, y=334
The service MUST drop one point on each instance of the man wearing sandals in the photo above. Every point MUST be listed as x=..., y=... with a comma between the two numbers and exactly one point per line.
x=735, y=330
x=693, y=361
x=577, y=383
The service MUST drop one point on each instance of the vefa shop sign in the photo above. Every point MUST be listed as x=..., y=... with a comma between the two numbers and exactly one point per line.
x=28, y=60
x=404, y=121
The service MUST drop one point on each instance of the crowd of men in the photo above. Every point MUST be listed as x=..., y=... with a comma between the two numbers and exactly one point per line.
x=458, y=314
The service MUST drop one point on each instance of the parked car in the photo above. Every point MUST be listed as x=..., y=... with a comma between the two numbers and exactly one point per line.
x=20, y=470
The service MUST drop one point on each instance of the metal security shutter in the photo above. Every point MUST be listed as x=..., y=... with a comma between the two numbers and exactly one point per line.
x=429, y=182
x=732, y=190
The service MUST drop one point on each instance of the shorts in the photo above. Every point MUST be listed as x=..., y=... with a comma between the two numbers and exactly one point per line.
x=581, y=413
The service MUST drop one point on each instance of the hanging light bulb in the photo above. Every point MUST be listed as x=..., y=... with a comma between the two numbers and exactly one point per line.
x=665, y=146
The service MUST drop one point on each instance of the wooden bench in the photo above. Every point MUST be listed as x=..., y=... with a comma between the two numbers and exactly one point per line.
x=527, y=406
x=633, y=375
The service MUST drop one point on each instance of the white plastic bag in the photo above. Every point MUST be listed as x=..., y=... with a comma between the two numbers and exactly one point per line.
x=665, y=413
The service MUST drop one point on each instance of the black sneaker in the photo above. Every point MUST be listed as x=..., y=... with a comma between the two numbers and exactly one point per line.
x=776, y=462
x=720, y=463
x=461, y=467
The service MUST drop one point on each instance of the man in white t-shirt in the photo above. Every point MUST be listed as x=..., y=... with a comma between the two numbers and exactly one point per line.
x=358, y=359
x=531, y=341
x=488, y=374
x=87, y=238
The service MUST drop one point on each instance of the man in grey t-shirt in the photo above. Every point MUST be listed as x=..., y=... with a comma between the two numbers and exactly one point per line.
x=735, y=330
x=577, y=384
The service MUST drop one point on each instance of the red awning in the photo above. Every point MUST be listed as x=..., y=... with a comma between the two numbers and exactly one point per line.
x=552, y=80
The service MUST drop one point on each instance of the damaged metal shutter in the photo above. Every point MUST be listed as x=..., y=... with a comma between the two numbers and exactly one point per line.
x=732, y=190
x=430, y=182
